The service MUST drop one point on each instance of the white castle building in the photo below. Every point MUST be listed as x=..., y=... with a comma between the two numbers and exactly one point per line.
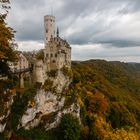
x=57, y=51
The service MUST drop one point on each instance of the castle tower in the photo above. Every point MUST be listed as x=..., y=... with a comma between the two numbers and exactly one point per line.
x=49, y=23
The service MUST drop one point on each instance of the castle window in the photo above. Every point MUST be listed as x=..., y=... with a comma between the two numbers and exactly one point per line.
x=47, y=55
x=55, y=55
x=53, y=61
x=51, y=55
x=46, y=30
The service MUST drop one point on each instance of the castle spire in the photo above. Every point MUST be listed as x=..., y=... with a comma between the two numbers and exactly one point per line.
x=57, y=32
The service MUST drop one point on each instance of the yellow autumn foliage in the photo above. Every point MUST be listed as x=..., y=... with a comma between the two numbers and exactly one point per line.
x=107, y=133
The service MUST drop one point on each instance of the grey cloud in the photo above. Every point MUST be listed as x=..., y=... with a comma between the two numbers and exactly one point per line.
x=30, y=31
x=102, y=51
x=27, y=19
x=22, y=4
x=121, y=43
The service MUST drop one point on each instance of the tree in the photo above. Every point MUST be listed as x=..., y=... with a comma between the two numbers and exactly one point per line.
x=70, y=127
x=40, y=55
x=7, y=52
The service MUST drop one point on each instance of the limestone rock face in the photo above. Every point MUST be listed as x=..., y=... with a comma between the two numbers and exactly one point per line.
x=49, y=106
x=74, y=109
x=2, y=127
x=61, y=82
x=45, y=103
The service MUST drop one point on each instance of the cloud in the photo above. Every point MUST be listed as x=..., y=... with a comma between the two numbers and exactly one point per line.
x=101, y=51
x=30, y=45
x=113, y=24
x=121, y=43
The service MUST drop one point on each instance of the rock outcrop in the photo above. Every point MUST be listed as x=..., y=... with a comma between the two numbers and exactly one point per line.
x=47, y=107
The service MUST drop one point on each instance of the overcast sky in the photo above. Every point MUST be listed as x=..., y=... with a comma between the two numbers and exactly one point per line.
x=96, y=29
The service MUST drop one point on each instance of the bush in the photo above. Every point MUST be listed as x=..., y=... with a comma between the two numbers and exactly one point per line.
x=2, y=136
x=48, y=85
x=40, y=134
x=40, y=55
x=70, y=127
x=35, y=134
x=52, y=73
x=67, y=72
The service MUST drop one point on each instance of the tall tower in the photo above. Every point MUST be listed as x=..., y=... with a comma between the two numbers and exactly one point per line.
x=49, y=23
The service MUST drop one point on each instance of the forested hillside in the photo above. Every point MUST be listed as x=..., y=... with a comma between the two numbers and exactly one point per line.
x=109, y=95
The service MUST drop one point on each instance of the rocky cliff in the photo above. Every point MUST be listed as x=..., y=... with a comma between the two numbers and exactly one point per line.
x=48, y=105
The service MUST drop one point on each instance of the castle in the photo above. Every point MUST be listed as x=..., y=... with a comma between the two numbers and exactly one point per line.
x=57, y=51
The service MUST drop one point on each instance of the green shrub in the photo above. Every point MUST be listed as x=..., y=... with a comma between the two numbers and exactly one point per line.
x=48, y=85
x=83, y=114
x=40, y=134
x=52, y=73
x=70, y=127
x=40, y=55
x=2, y=136
x=68, y=101
x=67, y=72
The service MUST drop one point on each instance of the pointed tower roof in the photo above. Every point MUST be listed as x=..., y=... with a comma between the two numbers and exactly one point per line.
x=57, y=32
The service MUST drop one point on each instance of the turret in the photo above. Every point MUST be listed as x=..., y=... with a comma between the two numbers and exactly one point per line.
x=49, y=23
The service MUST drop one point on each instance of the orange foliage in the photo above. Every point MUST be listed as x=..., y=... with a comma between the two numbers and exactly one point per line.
x=106, y=132
x=85, y=132
x=97, y=103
